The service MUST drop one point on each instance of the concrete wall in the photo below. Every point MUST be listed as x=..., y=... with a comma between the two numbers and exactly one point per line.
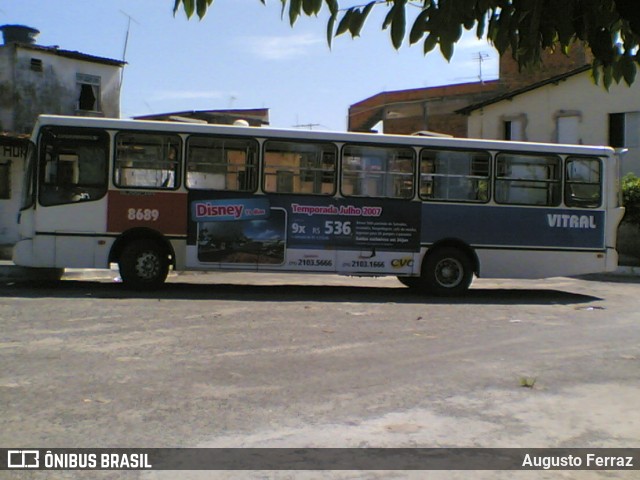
x=11, y=157
x=25, y=93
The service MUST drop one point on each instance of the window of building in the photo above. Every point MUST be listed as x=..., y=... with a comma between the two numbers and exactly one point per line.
x=514, y=128
x=568, y=129
x=222, y=164
x=524, y=179
x=582, y=182
x=88, y=92
x=450, y=175
x=372, y=171
x=73, y=165
x=147, y=160
x=5, y=181
x=299, y=167
x=36, y=65
x=624, y=129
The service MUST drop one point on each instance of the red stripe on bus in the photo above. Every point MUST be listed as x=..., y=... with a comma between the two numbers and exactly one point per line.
x=165, y=212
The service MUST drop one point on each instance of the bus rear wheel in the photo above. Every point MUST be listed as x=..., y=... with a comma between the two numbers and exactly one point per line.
x=448, y=271
x=144, y=265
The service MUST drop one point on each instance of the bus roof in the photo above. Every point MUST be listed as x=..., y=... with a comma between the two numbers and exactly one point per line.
x=318, y=135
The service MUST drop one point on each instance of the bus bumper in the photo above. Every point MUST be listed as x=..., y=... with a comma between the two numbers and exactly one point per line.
x=611, y=261
x=23, y=253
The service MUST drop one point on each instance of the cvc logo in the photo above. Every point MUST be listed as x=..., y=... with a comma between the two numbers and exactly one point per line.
x=23, y=459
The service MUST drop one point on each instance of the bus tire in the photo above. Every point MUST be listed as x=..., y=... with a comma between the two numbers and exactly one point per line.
x=447, y=271
x=411, y=282
x=144, y=265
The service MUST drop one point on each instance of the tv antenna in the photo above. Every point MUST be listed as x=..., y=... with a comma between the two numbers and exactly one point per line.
x=481, y=57
x=307, y=125
x=126, y=40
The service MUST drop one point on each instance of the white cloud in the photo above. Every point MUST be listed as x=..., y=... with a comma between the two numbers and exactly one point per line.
x=281, y=48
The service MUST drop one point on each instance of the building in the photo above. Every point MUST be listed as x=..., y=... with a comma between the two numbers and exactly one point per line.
x=38, y=79
x=255, y=117
x=434, y=108
x=565, y=108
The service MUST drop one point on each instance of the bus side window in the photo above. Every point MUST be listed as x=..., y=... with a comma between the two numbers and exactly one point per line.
x=373, y=171
x=147, y=160
x=215, y=163
x=306, y=168
x=527, y=179
x=582, y=182
x=74, y=166
x=450, y=175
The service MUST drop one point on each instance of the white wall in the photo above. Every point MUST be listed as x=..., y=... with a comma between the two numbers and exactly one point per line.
x=576, y=96
x=53, y=90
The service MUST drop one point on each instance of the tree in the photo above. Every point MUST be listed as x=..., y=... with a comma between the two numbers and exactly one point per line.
x=609, y=28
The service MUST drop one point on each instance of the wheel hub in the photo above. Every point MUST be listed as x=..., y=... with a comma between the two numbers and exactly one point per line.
x=449, y=272
x=148, y=265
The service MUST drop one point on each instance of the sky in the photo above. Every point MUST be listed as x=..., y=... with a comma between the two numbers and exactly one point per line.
x=244, y=55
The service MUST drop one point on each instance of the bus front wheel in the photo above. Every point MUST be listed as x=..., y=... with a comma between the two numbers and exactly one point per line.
x=447, y=271
x=144, y=265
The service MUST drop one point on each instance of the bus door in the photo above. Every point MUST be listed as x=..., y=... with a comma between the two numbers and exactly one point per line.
x=73, y=180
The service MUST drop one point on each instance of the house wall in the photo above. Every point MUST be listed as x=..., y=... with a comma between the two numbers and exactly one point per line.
x=25, y=93
x=6, y=88
x=578, y=96
x=11, y=163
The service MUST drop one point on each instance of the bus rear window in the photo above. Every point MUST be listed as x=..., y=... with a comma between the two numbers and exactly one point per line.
x=582, y=182
x=147, y=160
x=527, y=179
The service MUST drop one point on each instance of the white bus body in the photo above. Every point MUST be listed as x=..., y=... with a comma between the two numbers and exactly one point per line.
x=432, y=211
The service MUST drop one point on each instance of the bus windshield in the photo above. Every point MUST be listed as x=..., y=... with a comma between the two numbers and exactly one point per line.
x=28, y=182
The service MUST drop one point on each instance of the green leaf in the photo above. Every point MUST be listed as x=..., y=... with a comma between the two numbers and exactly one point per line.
x=343, y=26
x=295, y=7
x=311, y=7
x=368, y=8
x=358, y=19
x=202, y=6
x=595, y=72
x=189, y=7
x=333, y=6
x=398, y=24
x=446, y=48
x=629, y=69
x=430, y=43
x=388, y=19
x=330, y=26
x=607, y=79
x=419, y=26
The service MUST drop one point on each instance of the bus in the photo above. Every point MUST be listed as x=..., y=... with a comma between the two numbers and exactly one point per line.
x=152, y=196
